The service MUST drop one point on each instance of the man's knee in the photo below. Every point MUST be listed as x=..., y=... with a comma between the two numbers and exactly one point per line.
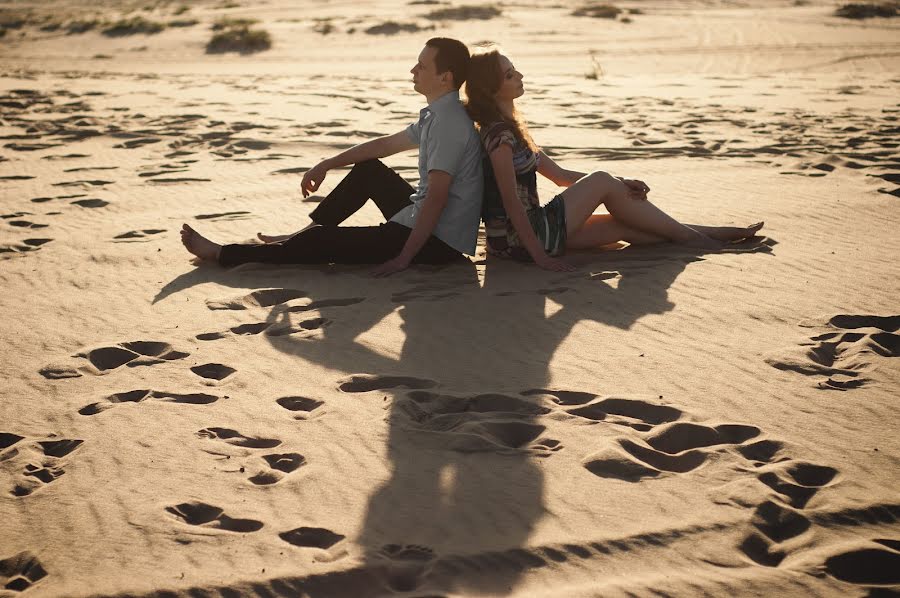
x=369, y=166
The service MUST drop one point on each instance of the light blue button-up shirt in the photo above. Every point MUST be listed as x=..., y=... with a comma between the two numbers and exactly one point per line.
x=448, y=142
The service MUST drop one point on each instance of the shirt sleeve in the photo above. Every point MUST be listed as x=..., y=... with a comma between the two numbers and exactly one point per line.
x=446, y=145
x=413, y=131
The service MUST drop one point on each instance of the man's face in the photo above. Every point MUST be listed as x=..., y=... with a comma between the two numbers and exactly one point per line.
x=426, y=79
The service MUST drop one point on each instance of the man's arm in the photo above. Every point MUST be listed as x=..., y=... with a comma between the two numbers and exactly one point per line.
x=375, y=148
x=426, y=220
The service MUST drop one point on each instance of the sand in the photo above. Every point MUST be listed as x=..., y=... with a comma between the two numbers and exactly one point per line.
x=658, y=422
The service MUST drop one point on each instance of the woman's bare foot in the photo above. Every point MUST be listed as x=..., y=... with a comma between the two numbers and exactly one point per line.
x=733, y=233
x=199, y=245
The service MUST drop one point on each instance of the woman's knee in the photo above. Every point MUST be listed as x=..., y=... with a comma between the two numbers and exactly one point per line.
x=602, y=181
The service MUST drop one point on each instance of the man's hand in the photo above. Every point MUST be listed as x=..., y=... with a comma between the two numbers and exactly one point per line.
x=391, y=267
x=554, y=265
x=636, y=189
x=313, y=178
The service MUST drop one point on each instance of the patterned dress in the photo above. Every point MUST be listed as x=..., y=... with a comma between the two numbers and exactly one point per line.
x=502, y=238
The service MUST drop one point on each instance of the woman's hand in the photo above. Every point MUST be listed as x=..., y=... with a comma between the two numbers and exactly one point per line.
x=636, y=189
x=553, y=264
x=313, y=178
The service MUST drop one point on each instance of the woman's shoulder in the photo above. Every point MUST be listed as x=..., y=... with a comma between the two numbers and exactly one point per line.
x=496, y=133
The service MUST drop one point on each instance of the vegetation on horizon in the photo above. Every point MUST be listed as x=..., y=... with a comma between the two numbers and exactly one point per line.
x=232, y=23
x=239, y=39
x=465, y=13
x=868, y=10
x=132, y=26
x=183, y=23
x=597, y=11
x=393, y=27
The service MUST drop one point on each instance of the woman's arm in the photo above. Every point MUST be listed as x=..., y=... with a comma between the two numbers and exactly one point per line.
x=556, y=173
x=505, y=175
x=566, y=178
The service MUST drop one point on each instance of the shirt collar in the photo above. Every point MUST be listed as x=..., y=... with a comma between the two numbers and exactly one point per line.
x=444, y=100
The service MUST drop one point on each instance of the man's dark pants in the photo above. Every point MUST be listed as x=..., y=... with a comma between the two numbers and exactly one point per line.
x=333, y=244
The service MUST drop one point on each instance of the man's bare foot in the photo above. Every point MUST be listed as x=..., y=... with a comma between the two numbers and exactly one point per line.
x=199, y=245
x=280, y=238
x=734, y=233
x=273, y=238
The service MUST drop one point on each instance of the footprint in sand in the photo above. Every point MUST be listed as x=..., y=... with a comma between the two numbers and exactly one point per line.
x=847, y=357
x=877, y=563
x=265, y=470
x=35, y=464
x=275, y=297
x=311, y=537
x=676, y=448
x=226, y=216
x=84, y=183
x=46, y=199
x=302, y=326
x=407, y=565
x=260, y=298
x=21, y=571
x=90, y=203
x=278, y=465
x=242, y=330
x=24, y=247
x=367, y=383
x=138, y=396
x=562, y=397
x=302, y=407
x=235, y=438
x=134, y=236
x=634, y=413
x=133, y=143
x=323, y=303
x=668, y=446
x=240, y=215
x=210, y=516
x=781, y=517
x=213, y=371
x=26, y=224
x=106, y=359
x=486, y=422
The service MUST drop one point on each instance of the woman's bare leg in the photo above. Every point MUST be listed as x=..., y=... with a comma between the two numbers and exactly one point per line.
x=603, y=229
x=728, y=233
x=582, y=198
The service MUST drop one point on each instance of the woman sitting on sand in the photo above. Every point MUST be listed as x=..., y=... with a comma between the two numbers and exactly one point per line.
x=518, y=226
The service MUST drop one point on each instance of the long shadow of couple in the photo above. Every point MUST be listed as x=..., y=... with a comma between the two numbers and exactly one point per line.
x=470, y=392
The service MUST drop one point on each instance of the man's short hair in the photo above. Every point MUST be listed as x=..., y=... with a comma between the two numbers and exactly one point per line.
x=452, y=55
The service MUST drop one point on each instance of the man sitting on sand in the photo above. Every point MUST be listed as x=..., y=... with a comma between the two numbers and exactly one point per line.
x=433, y=224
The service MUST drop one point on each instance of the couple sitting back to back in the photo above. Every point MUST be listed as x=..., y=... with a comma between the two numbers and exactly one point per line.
x=437, y=222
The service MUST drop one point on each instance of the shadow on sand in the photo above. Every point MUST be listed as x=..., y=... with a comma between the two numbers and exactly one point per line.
x=465, y=427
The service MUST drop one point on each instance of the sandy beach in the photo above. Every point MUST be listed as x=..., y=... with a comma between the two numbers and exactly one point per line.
x=659, y=422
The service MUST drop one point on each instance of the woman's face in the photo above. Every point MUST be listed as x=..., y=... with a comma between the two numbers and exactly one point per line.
x=510, y=81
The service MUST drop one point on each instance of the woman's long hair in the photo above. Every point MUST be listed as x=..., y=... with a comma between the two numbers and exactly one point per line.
x=484, y=79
